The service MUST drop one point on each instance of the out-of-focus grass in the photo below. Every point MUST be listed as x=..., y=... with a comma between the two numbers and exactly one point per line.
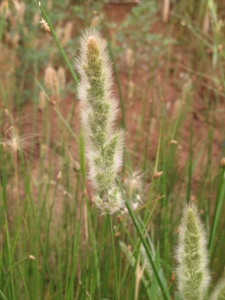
x=54, y=245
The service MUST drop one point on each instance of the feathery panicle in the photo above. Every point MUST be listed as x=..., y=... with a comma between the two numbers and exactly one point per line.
x=104, y=146
x=192, y=271
x=16, y=143
x=219, y=291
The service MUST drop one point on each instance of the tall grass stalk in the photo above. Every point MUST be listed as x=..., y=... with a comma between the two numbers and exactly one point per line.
x=165, y=293
x=218, y=208
x=114, y=259
x=55, y=38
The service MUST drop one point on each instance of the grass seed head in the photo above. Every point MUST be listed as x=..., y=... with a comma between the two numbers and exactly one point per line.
x=61, y=78
x=219, y=291
x=222, y=162
x=42, y=101
x=104, y=146
x=52, y=82
x=45, y=26
x=192, y=272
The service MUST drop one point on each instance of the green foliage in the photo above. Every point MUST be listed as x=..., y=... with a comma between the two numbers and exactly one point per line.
x=147, y=45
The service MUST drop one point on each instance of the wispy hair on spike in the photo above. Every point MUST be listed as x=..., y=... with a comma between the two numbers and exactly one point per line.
x=219, y=291
x=192, y=272
x=104, y=145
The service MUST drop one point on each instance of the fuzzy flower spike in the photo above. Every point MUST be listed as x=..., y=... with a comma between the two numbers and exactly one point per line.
x=192, y=271
x=104, y=145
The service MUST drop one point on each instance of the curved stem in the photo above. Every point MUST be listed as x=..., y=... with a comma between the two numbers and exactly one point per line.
x=55, y=38
x=145, y=244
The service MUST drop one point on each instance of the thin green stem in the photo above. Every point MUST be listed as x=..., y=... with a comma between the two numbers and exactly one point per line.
x=55, y=38
x=58, y=113
x=114, y=259
x=66, y=124
x=2, y=296
x=217, y=211
x=145, y=244
x=16, y=264
x=2, y=19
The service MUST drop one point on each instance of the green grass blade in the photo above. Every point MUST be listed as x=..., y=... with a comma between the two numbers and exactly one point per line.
x=165, y=293
x=218, y=210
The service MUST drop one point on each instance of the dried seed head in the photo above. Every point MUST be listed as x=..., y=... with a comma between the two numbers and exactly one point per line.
x=223, y=162
x=157, y=174
x=45, y=26
x=20, y=9
x=95, y=21
x=220, y=49
x=49, y=77
x=61, y=78
x=131, y=89
x=31, y=257
x=133, y=183
x=52, y=82
x=15, y=142
x=59, y=176
x=6, y=112
x=66, y=33
x=42, y=101
x=129, y=58
x=173, y=142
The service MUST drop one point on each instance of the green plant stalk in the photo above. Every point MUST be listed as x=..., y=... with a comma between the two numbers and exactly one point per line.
x=155, y=169
x=55, y=38
x=217, y=211
x=93, y=239
x=114, y=258
x=47, y=230
x=3, y=297
x=104, y=252
x=16, y=264
x=153, y=181
x=66, y=124
x=164, y=292
x=190, y=163
x=37, y=228
x=76, y=244
x=70, y=242
x=2, y=21
x=24, y=283
x=161, y=150
x=9, y=257
x=16, y=236
x=58, y=113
